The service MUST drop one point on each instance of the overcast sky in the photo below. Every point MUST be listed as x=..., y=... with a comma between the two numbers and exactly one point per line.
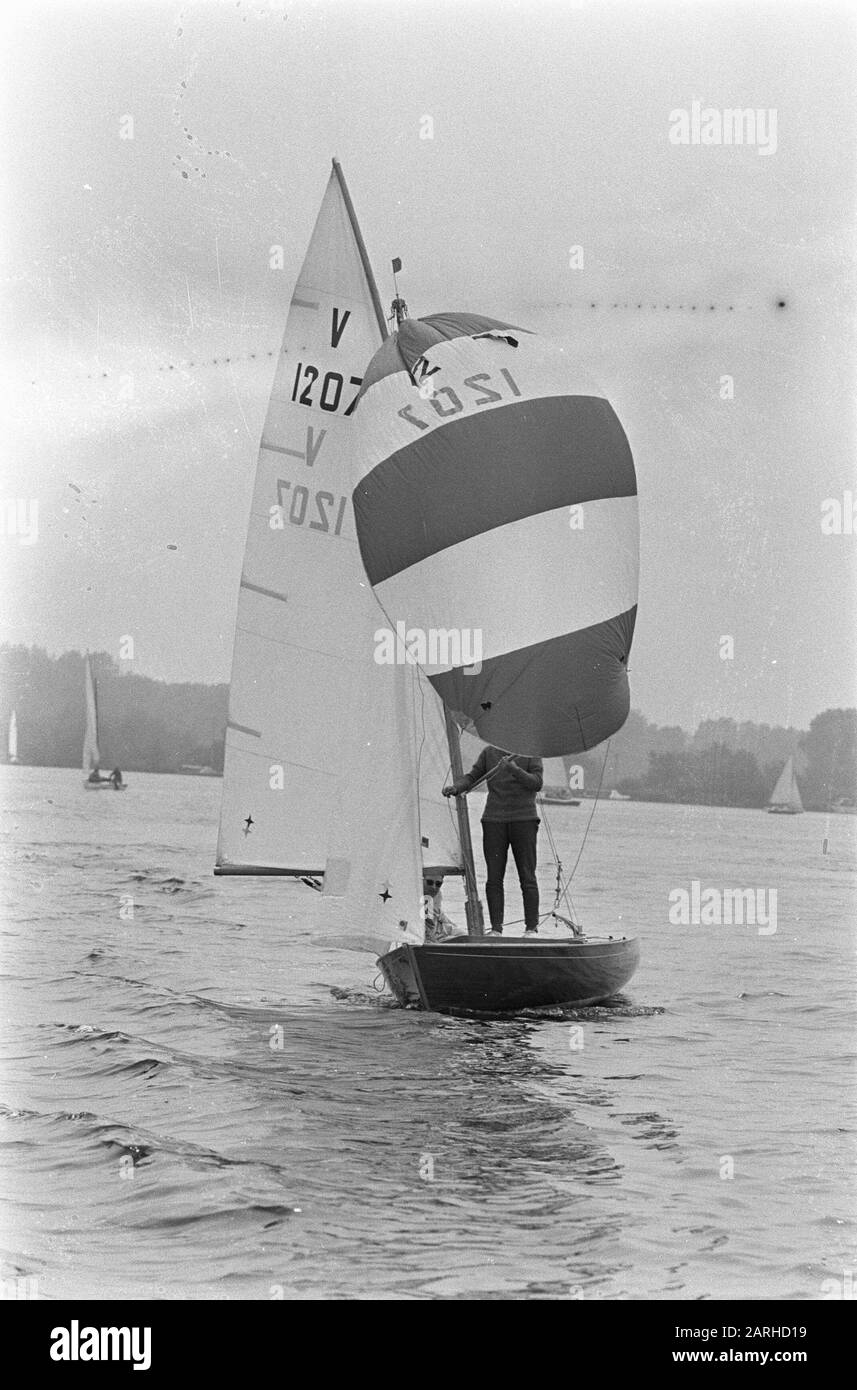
x=129, y=259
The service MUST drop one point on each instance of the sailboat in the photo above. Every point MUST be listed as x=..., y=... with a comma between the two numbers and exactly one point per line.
x=94, y=782
x=13, y=738
x=339, y=737
x=785, y=798
x=555, y=785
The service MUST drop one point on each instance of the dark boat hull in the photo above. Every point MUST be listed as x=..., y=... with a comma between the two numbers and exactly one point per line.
x=472, y=974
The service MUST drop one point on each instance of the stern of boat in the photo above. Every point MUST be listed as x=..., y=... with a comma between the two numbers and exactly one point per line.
x=399, y=970
x=467, y=974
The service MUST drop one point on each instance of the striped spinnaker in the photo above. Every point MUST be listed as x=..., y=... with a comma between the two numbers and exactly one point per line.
x=497, y=496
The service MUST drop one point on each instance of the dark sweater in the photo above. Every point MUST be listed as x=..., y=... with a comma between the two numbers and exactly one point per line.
x=511, y=791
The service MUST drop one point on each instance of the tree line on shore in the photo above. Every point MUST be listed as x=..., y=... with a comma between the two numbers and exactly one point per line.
x=144, y=725
x=153, y=726
x=723, y=763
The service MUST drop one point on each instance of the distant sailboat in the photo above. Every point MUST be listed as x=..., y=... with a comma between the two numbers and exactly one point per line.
x=13, y=738
x=785, y=798
x=337, y=743
x=94, y=781
x=555, y=785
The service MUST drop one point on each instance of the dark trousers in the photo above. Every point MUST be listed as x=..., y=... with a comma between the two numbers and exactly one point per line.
x=497, y=836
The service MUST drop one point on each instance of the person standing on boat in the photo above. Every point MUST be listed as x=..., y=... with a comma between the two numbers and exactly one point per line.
x=510, y=820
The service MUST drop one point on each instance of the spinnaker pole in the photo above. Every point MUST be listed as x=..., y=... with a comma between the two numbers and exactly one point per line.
x=472, y=905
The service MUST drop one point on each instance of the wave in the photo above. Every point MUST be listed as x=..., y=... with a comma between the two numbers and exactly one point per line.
x=763, y=994
x=170, y=883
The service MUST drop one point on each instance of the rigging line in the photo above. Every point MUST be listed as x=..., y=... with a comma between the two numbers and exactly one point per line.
x=415, y=684
x=516, y=921
x=591, y=814
x=560, y=894
x=421, y=681
x=550, y=834
x=561, y=891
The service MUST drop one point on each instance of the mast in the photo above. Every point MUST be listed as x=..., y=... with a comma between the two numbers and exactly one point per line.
x=399, y=309
x=361, y=246
x=472, y=905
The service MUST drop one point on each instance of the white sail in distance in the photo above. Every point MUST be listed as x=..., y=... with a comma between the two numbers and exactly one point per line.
x=13, y=737
x=307, y=698
x=554, y=773
x=786, y=792
x=91, y=757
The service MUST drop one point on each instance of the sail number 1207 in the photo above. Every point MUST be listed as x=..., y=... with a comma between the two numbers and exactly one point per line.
x=330, y=394
x=445, y=402
x=320, y=511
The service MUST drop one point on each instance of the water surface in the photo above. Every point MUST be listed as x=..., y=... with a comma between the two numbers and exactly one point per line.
x=200, y=1099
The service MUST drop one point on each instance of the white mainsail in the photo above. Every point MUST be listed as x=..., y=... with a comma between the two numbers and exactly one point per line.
x=325, y=749
x=91, y=756
x=13, y=737
x=786, y=793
